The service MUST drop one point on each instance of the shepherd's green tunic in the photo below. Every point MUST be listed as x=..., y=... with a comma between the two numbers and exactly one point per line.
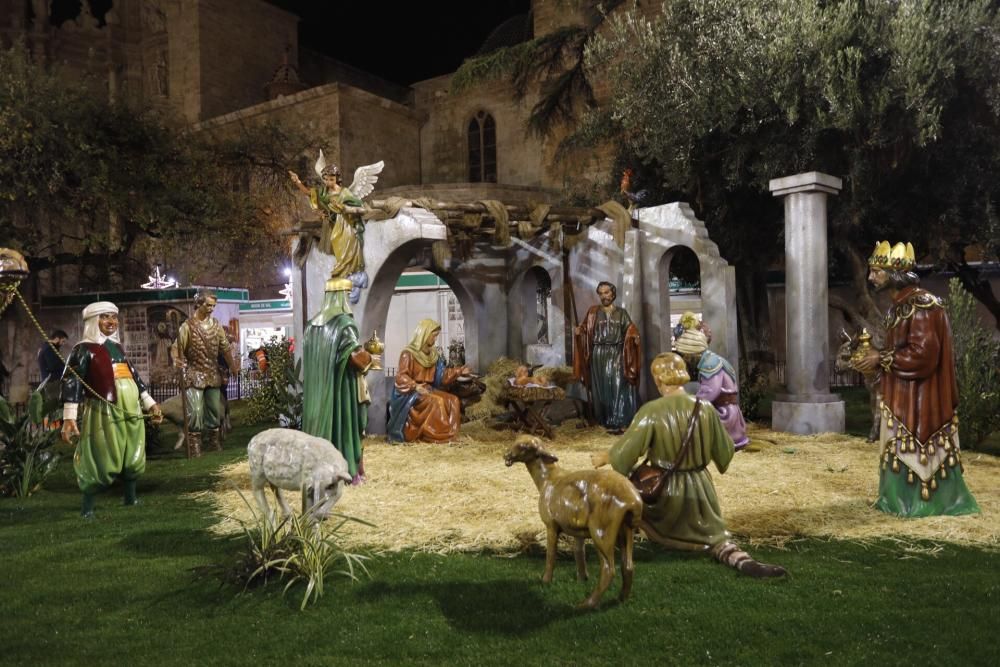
x=112, y=438
x=687, y=515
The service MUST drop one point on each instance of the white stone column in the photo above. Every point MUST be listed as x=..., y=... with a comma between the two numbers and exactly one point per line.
x=809, y=407
x=630, y=297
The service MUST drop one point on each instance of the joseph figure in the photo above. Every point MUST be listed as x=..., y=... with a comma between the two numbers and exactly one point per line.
x=335, y=394
x=607, y=359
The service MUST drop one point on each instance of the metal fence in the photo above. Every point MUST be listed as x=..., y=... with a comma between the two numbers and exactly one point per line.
x=239, y=386
x=837, y=378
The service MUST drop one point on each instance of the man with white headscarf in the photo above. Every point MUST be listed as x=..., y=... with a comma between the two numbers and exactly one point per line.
x=717, y=378
x=112, y=435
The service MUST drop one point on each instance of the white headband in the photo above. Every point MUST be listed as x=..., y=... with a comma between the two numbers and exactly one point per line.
x=98, y=308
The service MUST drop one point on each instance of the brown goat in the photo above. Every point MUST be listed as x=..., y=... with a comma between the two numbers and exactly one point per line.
x=599, y=504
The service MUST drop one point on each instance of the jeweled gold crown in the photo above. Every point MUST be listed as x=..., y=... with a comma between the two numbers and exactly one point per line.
x=899, y=257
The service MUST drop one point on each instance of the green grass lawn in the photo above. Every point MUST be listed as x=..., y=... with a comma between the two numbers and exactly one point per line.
x=122, y=590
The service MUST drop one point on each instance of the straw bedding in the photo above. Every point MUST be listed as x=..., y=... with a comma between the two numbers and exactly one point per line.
x=461, y=497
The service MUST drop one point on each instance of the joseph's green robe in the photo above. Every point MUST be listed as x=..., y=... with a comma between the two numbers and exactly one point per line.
x=332, y=405
x=687, y=515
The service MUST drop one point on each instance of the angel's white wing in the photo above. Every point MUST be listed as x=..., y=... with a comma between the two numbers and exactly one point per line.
x=320, y=164
x=365, y=179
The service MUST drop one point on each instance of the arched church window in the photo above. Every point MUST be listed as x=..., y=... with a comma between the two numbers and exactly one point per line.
x=482, y=149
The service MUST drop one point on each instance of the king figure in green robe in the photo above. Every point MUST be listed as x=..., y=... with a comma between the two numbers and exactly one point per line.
x=335, y=394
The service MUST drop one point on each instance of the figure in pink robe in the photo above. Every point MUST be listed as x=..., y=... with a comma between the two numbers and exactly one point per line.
x=719, y=385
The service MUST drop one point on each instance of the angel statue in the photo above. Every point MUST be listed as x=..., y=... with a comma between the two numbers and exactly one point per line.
x=343, y=234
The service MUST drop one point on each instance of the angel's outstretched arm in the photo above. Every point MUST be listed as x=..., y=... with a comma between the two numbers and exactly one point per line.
x=298, y=182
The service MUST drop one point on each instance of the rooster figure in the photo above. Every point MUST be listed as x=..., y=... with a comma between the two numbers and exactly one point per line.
x=634, y=198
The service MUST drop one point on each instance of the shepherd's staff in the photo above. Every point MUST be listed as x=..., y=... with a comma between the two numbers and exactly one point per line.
x=182, y=385
x=570, y=300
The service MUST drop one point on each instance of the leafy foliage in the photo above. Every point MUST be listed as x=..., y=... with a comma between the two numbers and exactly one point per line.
x=279, y=396
x=754, y=387
x=26, y=456
x=555, y=61
x=98, y=183
x=295, y=550
x=884, y=94
x=977, y=364
x=901, y=99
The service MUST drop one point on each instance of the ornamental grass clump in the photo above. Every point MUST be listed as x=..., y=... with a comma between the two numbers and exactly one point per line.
x=26, y=456
x=295, y=550
x=314, y=553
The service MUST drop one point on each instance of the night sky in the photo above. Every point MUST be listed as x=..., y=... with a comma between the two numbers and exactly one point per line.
x=404, y=42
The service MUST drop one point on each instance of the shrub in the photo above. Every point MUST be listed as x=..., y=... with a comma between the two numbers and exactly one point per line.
x=754, y=386
x=977, y=356
x=26, y=457
x=279, y=396
x=294, y=550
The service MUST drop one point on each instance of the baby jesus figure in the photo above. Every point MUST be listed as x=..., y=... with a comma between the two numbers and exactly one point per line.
x=523, y=378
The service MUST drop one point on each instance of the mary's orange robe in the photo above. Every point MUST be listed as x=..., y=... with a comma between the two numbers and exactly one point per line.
x=436, y=415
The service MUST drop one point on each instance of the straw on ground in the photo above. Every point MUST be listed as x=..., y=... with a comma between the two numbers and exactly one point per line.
x=461, y=497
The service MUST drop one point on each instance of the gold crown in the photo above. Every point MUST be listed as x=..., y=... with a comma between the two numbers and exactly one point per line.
x=339, y=285
x=899, y=257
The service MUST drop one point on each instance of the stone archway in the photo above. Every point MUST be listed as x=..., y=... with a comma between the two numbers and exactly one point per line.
x=642, y=275
x=486, y=283
x=395, y=245
x=374, y=311
x=537, y=322
x=664, y=276
x=664, y=229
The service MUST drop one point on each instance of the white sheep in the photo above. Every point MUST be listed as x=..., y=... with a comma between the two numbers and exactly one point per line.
x=292, y=460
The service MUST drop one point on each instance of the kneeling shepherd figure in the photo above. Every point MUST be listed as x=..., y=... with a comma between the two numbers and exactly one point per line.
x=686, y=516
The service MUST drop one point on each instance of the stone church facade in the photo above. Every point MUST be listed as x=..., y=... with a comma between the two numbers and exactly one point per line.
x=217, y=62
